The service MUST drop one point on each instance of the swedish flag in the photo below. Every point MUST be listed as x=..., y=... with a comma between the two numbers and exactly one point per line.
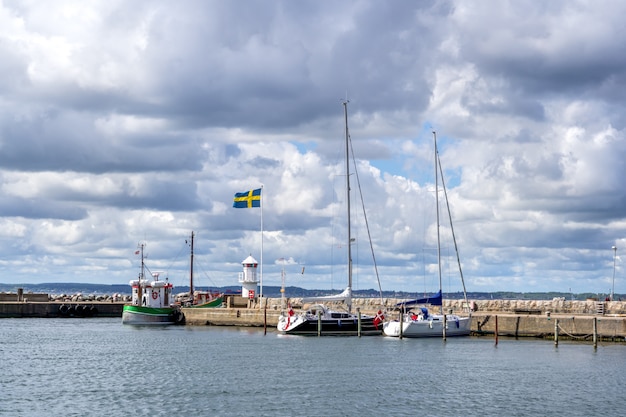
x=248, y=199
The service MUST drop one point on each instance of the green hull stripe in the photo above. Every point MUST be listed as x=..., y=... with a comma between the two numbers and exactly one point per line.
x=215, y=303
x=148, y=310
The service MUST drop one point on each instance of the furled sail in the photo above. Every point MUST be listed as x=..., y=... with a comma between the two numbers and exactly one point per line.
x=434, y=300
x=345, y=296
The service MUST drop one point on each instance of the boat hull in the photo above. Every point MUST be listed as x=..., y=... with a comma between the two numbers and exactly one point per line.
x=310, y=326
x=211, y=304
x=132, y=314
x=455, y=326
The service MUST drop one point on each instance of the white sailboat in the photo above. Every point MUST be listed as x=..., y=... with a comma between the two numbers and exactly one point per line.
x=319, y=319
x=416, y=320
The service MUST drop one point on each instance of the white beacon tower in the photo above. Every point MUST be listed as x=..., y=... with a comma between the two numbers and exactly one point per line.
x=248, y=278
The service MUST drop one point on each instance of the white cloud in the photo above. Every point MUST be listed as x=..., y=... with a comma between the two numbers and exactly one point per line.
x=122, y=123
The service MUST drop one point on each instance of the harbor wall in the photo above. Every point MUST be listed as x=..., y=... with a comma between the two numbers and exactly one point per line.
x=27, y=308
x=515, y=318
x=566, y=326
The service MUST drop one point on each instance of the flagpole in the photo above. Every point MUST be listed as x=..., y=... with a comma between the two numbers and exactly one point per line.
x=261, y=284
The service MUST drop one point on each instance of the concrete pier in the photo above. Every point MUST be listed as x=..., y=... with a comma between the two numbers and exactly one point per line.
x=515, y=318
x=570, y=327
x=17, y=309
x=483, y=323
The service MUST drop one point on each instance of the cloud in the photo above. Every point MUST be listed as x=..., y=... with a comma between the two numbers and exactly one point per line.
x=123, y=123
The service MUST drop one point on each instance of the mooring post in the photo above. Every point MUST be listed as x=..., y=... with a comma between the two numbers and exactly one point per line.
x=265, y=319
x=496, y=330
x=319, y=323
x=358, y=330
x=400, y=321
x=556, y=332
x=595, y=332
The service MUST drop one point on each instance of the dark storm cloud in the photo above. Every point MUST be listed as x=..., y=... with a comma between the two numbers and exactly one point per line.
x=55, y=140
x=40, y=208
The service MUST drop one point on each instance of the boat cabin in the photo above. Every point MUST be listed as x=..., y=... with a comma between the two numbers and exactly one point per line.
x=154, y=293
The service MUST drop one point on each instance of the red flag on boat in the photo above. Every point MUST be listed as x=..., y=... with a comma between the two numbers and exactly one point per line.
x=379, y=318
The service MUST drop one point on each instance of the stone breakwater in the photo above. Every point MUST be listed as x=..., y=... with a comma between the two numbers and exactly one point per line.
x=555, y=306
x=77, y=298
x=63, y=298
x=74, y=298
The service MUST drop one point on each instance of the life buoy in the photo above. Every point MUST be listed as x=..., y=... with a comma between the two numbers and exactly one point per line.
x=155, y=295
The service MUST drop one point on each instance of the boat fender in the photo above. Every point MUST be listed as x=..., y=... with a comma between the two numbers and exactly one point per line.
x=179, y=317
x=63, y=309
x=430, y=324
x=79, y=310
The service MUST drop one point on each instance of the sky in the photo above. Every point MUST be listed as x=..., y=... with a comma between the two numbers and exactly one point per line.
x=126, y=123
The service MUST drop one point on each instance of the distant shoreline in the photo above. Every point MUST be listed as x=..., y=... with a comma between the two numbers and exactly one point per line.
x=274, y=292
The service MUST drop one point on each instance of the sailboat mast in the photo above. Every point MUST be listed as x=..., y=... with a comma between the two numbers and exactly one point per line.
x=141, y=277
x=437, y=208
x=456, y=247
x=191, y=270
x=345, y=112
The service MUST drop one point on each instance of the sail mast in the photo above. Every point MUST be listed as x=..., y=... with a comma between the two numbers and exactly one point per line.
x=191, y=270
x=456, y=248
x=437, y=208
x=141, y=277
x=443, y=327
x=345, y=112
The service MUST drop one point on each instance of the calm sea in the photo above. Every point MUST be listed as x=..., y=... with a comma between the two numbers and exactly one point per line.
x=99, y=367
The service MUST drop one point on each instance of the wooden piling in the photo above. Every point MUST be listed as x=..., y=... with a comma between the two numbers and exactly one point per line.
x=595, y=332
x=556, y=332
x=496, y=330
x=358, y=325
x=319, y=323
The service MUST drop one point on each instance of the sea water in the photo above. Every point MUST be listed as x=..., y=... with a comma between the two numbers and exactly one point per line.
x=99, y=367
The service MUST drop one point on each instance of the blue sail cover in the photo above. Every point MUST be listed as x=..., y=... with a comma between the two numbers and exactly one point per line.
x=434, y=300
